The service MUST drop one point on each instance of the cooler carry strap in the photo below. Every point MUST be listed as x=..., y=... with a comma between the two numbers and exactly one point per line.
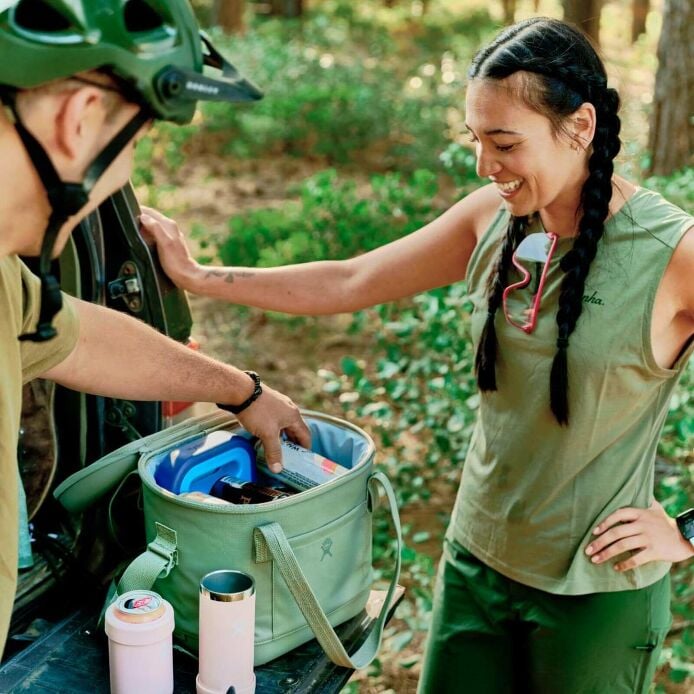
x=155, y=562
x=274, y=539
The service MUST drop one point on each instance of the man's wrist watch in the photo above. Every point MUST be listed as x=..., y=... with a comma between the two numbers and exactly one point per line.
x=685, y=523
x=257, y=392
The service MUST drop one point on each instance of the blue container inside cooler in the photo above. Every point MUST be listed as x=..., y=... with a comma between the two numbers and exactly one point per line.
x=196, y=466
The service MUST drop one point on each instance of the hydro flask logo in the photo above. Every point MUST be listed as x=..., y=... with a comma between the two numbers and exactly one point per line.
x=326, y=547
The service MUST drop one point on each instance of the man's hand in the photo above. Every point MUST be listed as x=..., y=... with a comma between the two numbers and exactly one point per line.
x=270, y=415
x=174, y=255
x=649, y=533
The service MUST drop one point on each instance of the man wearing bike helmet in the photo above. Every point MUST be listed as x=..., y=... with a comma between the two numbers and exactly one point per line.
x=80, y=81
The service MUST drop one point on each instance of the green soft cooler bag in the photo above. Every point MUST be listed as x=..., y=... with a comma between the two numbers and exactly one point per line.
x=309, y=554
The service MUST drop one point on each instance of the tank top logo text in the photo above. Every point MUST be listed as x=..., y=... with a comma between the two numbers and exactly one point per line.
x=593, y=299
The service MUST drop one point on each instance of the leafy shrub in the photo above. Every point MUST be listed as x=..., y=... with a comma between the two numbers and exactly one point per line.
x=677, y=187
x=460, y=163
x=339, y=87
x=333, y=219
x=333, y=100
x=420, y=389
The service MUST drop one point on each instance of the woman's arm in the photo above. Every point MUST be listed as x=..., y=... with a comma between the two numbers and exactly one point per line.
x=433, y=256
x=672, y=323
x=650, y=534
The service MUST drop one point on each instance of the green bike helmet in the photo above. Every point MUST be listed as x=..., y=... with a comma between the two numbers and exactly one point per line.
x=153, y=46
x=157, y=54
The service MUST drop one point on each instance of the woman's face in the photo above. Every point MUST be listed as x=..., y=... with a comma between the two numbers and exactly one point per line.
x=533, y=169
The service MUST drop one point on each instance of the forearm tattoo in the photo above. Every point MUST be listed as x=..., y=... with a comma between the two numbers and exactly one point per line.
x=229, y=277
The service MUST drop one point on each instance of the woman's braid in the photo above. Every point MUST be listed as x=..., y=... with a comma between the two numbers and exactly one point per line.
x=485, y=359
x=595, y=199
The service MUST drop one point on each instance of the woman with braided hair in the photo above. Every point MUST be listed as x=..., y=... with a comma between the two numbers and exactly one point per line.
x=554, y=576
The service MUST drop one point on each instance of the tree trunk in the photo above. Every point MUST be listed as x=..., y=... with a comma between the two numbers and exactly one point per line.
x=286, y=8
x=639, y=12
x=671, y=136
x=509, y=11
x=229, y=15
x=585, y=14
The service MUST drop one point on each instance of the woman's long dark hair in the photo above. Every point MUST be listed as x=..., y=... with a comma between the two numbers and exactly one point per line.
x=562, y=71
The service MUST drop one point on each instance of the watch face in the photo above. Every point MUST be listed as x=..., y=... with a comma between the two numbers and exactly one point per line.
x=685, y=522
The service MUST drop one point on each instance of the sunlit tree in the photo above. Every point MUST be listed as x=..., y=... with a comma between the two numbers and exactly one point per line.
x=671, y=138
x=229, y=15
x=585, y=14
x=286, y=8
x=639, y=12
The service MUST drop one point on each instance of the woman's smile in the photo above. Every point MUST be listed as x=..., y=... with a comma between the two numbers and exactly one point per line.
x=508, y=189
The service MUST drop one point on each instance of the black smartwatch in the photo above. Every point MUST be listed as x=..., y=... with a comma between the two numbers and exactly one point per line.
x=685, y=522
x=257, y=392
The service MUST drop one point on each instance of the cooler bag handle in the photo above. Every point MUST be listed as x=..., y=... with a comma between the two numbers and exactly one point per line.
x=286, y=561
x=155, y=562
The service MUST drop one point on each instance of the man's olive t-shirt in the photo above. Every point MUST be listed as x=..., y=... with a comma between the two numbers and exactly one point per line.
x=19, y=363
x=532, y=491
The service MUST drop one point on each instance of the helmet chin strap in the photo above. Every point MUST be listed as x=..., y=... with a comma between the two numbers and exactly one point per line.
x=66, y=199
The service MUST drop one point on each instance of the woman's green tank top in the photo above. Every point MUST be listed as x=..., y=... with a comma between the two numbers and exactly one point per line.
x=532, y=491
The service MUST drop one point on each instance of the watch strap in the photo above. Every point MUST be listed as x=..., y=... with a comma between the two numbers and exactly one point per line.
x=257, y=392
x=685, y=523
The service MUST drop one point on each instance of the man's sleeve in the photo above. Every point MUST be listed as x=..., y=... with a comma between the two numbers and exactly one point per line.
x=38, y=357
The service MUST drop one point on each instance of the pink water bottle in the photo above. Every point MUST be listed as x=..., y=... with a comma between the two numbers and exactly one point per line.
x=227, y=630
x=139, y=626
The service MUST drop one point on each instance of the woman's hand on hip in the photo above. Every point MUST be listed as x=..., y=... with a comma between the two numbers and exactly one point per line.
x=648, y=533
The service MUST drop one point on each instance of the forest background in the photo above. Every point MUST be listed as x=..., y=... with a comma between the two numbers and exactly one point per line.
x=358, y=141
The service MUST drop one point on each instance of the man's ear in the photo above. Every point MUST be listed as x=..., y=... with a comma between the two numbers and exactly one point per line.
x=582, y=125
x=79, y=121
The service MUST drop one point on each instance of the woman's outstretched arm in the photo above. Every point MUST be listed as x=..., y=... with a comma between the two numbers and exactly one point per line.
x=433, y=256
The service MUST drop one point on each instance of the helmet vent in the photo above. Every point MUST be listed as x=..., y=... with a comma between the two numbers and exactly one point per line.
x=37, y=15
x=141, y=16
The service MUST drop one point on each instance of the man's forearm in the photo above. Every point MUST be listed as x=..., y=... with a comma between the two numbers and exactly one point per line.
x=121, y=357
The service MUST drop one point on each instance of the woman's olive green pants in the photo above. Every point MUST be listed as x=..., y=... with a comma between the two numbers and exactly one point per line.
x=492, y=635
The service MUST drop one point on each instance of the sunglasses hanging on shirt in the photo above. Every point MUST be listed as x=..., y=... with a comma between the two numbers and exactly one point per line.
x=521, y=309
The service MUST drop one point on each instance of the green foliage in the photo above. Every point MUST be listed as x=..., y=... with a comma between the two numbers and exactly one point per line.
x=422, y=389
x=333, y=93
x=677, y=442
x=677, y=188
x=676, y=492
x=460, y=163
x=333, y=219
x=339, y=86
